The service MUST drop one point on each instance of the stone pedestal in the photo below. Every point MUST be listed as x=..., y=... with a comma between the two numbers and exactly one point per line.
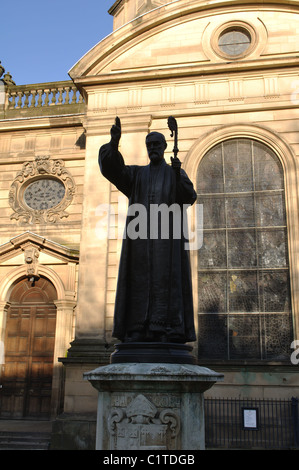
x=144, y=406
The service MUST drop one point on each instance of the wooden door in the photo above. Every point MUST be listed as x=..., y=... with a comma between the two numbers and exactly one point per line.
x=29, y=348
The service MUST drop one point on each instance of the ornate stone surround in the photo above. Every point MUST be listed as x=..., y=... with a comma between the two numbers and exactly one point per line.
x=41, y=191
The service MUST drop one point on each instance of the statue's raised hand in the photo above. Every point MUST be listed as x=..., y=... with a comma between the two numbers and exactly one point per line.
x=115, y=132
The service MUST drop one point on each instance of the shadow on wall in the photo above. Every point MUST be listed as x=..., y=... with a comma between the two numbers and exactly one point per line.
x=2, y=361
x=2, y=93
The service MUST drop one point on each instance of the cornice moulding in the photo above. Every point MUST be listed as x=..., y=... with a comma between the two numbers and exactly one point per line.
x=199, y=70
x=29, y=238
x=41, y=122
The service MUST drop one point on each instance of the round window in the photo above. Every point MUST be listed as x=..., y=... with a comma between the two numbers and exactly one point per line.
x=234, y=41
x=44, y=194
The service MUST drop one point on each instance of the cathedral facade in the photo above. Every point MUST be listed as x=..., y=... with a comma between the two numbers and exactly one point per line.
x=228, y=72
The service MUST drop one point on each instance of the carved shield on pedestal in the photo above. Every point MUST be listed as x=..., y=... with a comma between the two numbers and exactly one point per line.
x=142, y=427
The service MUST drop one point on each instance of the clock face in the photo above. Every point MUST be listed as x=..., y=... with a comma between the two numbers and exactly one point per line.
x=44, y=194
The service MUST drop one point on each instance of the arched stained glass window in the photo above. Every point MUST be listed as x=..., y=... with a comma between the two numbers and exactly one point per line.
x=243, y=278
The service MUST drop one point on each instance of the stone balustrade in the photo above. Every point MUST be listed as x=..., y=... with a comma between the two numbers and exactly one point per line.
x=52, y=98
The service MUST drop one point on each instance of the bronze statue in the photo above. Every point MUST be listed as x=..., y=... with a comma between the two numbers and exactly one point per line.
x=154, y=294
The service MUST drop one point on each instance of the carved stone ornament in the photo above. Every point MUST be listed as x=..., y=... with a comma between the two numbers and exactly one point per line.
x=141, y=426
x=41, y=191
x=31, y=255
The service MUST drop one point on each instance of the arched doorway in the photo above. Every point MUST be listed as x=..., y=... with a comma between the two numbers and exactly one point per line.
x=29, y=349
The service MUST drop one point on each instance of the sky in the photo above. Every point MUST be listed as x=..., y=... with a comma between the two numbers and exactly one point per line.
x=41, y=40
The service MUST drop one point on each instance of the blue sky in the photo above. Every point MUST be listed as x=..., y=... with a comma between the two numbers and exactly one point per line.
x=42, y=39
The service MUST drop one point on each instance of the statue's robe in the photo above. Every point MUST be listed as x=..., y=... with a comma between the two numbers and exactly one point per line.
x=154, y=292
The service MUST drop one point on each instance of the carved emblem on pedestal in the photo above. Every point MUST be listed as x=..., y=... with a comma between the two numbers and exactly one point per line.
x=141, y=426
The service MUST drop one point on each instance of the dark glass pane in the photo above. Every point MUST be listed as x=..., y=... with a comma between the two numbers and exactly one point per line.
x=234, y=49
x=210, y=174
x=241, y=249
x=212, y=336
x=268, y=172
x=212, y=292
x=244, y=337
x=240, y=211
x=43, y=194
x=213, y=251
x=237, y=166
x=274, y=286
x=213, y=212
x=243, y=293
x=234, y=42
x=270, y=210
x=272, y=248
x=278, y=336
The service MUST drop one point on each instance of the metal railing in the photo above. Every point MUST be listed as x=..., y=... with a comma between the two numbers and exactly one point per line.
x=273, y=423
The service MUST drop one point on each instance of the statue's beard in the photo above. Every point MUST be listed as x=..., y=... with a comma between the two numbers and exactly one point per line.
x=155, y=158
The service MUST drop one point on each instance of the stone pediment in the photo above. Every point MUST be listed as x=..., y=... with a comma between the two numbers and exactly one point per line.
x=137, y=43
x=28, y=247
x=176, y=38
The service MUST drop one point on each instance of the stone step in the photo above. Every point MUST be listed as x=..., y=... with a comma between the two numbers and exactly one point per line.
x=24, y=440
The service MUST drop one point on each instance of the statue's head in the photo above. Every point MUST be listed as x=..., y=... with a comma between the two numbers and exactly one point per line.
x=156, y=145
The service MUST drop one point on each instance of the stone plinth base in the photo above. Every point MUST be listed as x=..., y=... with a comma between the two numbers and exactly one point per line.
x=144, y=406
x=176, y=353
